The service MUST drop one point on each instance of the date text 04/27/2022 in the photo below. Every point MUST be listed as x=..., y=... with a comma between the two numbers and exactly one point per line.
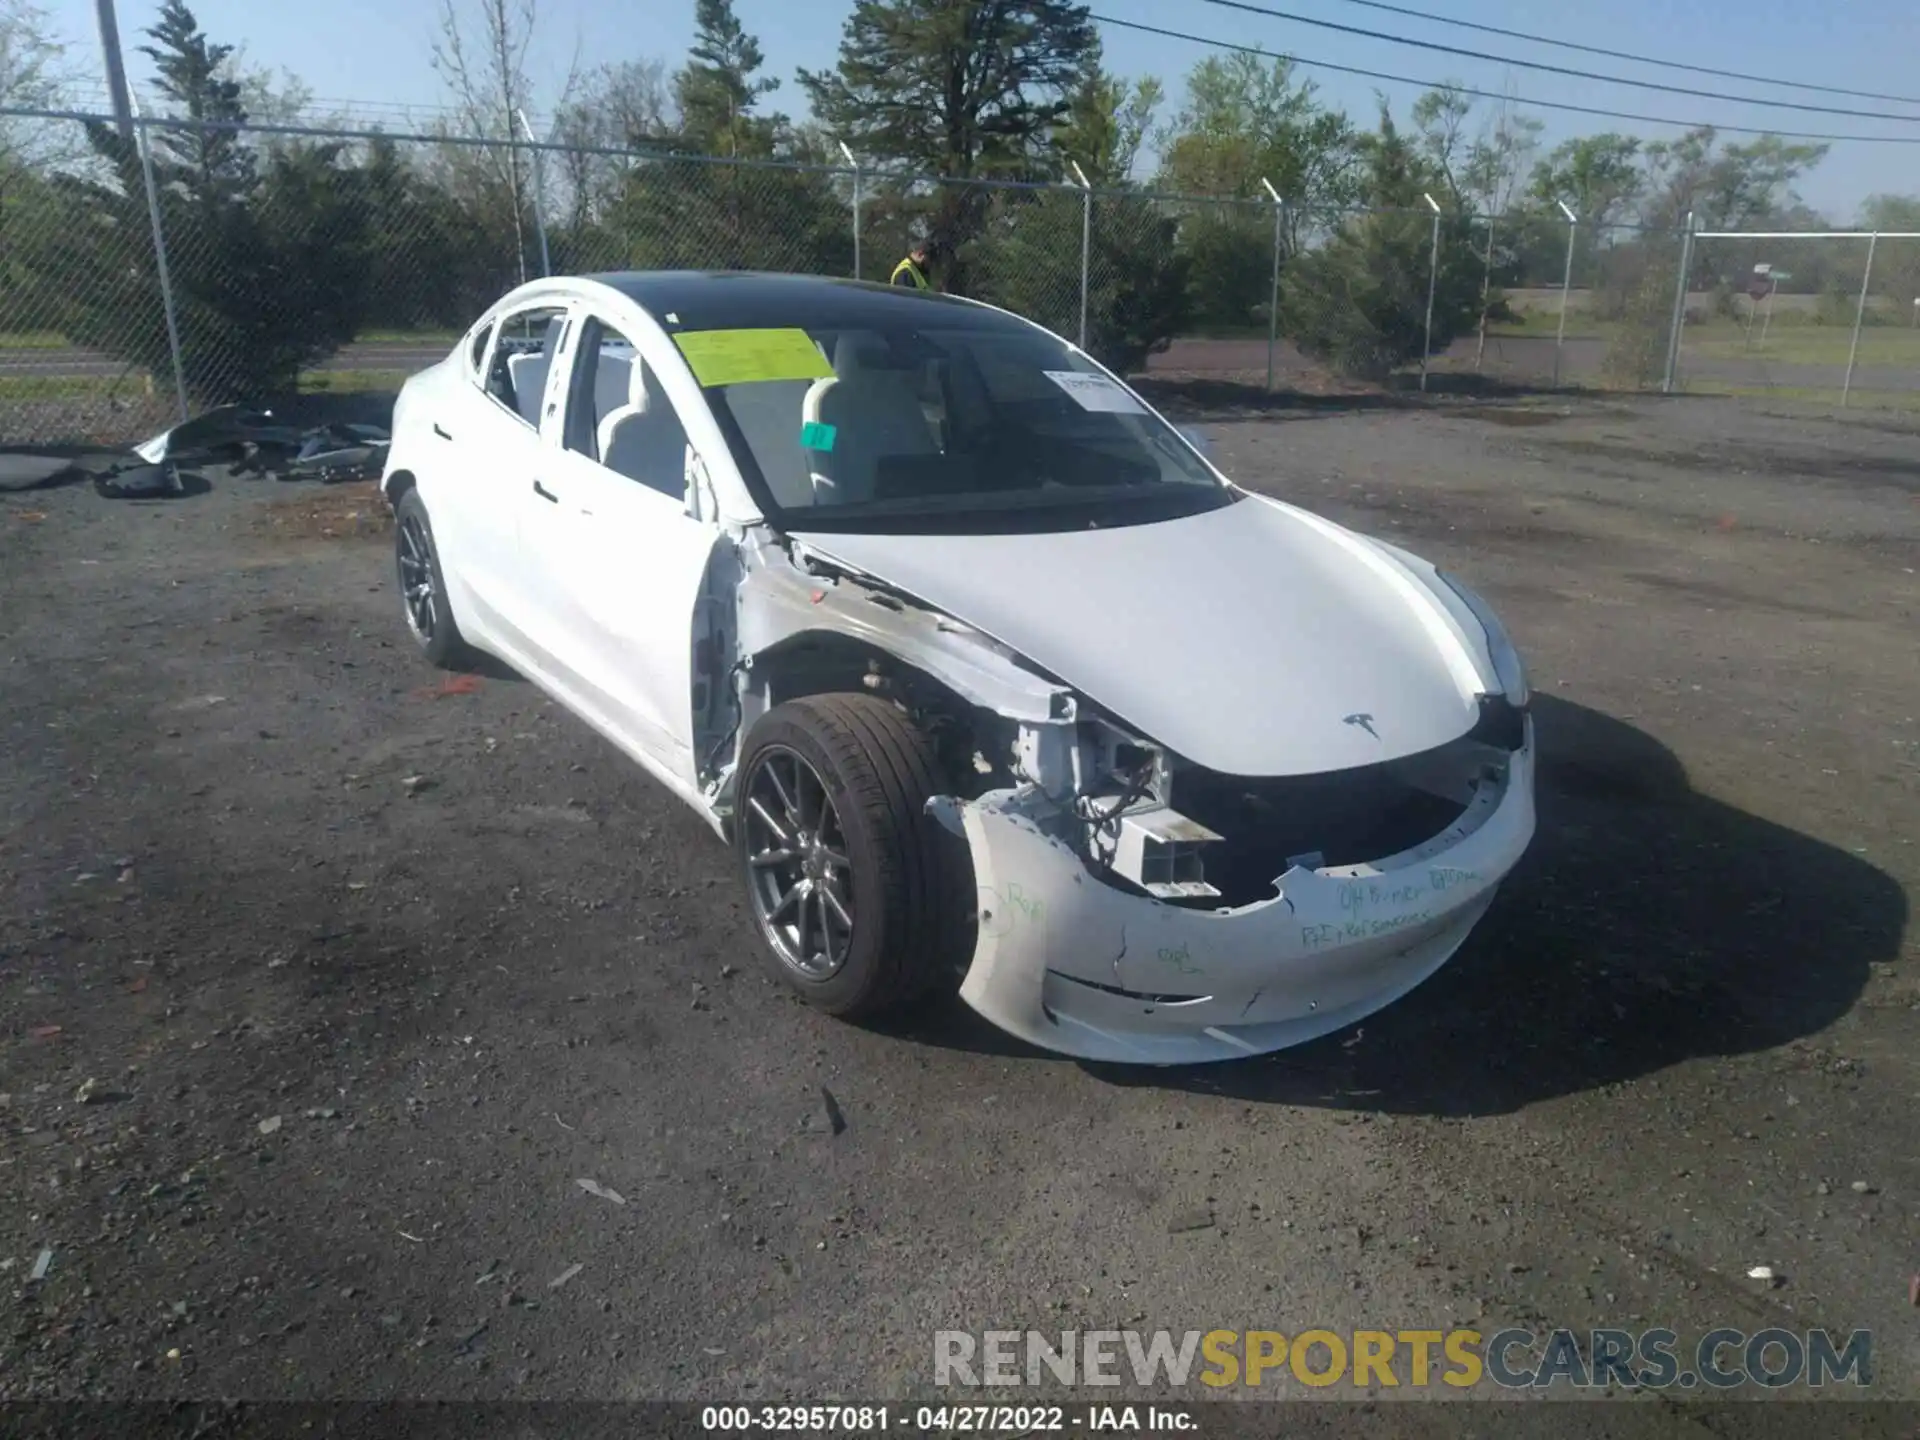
x=948, y=1419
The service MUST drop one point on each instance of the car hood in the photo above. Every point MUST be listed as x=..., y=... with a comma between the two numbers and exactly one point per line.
x=1254, y=639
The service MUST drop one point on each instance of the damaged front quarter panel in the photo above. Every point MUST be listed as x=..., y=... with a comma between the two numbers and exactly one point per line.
x=1072, y=952
x=805, y=625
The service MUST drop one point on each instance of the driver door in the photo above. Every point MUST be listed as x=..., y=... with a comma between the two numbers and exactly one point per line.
x=623, y=559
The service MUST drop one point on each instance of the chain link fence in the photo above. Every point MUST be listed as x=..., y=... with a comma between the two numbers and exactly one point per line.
x=146, y=279
x=1831, y=318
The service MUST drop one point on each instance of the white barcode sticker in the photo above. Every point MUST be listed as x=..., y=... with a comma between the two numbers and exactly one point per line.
x=1096, y=392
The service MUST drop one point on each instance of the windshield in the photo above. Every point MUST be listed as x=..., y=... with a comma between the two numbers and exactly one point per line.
x=952, y=427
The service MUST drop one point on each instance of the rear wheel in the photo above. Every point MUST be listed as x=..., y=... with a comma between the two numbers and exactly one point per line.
x=854, y=888
x=423, y=588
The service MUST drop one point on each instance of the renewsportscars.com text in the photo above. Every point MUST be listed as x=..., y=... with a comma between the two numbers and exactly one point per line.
x=1512, y=1359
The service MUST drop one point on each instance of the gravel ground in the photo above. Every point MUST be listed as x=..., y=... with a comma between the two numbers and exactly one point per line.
x=363, y=976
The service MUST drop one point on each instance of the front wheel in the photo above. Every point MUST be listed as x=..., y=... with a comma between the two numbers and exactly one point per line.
x=855, y=890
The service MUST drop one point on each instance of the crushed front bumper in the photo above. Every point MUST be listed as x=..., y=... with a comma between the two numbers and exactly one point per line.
x=1077, y=966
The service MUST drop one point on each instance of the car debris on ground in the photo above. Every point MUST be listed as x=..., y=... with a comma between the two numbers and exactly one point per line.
x=331, y=439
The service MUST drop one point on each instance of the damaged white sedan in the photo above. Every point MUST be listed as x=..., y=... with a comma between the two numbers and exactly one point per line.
x=993, y=682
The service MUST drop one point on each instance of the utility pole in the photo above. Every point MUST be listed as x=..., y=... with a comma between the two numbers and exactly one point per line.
x=116, y=67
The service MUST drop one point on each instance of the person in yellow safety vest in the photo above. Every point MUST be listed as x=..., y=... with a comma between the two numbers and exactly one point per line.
x=912, y=271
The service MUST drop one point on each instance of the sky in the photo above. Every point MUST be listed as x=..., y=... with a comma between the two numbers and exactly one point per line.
x=367, y=57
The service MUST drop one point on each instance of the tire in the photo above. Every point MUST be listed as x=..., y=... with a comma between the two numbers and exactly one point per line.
x=430, y=623
x=910, y=930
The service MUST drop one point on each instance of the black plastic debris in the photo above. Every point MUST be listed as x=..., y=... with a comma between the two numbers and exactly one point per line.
x=324, y=438
x=339, y=452
x=140, y=482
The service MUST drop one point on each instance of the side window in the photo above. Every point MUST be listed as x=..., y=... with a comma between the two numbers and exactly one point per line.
x=477, y=355
x=618, y=414
x=522, y=358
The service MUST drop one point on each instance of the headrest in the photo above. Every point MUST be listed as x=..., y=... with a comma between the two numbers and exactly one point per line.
x=639, y=392
x=856, y=351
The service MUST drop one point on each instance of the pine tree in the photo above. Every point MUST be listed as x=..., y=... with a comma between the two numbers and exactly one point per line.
x=717, y=91
x=967, y=89
x=214, y=164
x=268, y=264
x=1358, y=303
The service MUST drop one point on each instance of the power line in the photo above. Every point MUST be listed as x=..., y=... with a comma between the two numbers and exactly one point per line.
x=1541, y=65
x=1490, y=95
x=1629, y=55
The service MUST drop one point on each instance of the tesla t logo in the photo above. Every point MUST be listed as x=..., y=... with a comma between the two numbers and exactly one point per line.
x=1365, y=722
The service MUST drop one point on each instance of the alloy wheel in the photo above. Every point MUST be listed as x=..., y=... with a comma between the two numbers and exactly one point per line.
x=799, y=872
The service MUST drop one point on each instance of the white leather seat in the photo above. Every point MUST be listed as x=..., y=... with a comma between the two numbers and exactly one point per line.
x=612, y=381
x=529, y=376
x=874, y=411
x=529, y=373
x=643, y=439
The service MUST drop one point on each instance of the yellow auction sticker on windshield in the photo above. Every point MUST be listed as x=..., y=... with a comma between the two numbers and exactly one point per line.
x=741, y=357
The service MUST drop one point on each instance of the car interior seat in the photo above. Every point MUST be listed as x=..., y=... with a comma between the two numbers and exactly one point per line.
x=612, y=383
x=528, y=372
x=875, y=412
x=643, y=439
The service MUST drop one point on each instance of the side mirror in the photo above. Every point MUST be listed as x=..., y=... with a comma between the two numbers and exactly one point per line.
x=1198, y=439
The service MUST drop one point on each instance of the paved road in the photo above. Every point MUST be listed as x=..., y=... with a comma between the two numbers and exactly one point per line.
x=374, y=356
x=1529, y=360
x=1526, y=359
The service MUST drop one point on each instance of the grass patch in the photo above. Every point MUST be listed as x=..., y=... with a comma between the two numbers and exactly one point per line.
x=407, y=337
x=1901, y=402
x=32, y=340
x=101, y=387
x=1807, y=344
x=334, y=382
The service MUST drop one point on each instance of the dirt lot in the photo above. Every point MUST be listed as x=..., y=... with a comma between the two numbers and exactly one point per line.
x=366, y=972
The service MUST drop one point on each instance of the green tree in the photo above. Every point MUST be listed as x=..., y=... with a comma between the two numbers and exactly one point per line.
x=1896, y=263
x=1245, y=120
x=1027, y=256
x=730, y=195
x=716, y=89
x=1598, y=177
x=1139, y=292
x=1107, y=121
x=967, y=89
x=1358, y=303
x=1725, y=187
x=268, y=267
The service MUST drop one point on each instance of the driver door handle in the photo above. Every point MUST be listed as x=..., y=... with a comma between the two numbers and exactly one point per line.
x=544, y=493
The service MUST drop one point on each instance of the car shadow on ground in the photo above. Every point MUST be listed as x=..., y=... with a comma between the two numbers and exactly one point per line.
x=1648, y=925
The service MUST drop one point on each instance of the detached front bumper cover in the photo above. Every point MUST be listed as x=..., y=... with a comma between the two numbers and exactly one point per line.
x=1076, y=966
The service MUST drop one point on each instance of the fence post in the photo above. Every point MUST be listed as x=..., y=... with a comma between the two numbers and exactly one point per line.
x=1273, y=294
x=116, y=67
x=1679, y=308
x=140, y=142
x=1486, y=291
x=1859, y=315
x=855, y=164
x=1433, y=280
x=539, y=195
x=1086, y=243
x=1566, y=289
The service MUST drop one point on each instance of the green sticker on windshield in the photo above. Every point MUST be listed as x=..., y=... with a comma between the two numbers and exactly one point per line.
x=816, y=436
x=740, y=357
